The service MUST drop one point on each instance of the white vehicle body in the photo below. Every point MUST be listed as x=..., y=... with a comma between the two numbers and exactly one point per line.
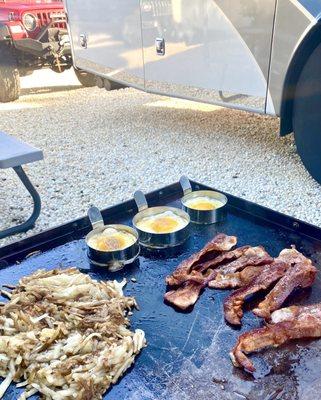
x=243, y=54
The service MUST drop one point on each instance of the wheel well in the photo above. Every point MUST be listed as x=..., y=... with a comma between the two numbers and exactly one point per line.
x=4, y=32
x=304, y=51
x=6, y=48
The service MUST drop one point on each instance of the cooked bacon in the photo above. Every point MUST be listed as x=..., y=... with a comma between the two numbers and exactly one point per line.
x=185, y=296
x=188, y=294
x=199, y=279
x=236, y=279
x=285, y=264
x=226, y=262
x=300, y=275
x=201, y=271
x=196, y=273
x=251, y=256
x=220, y=243
x=224, y=258
x=292, y=256
x=233, y=303
x=288, y=323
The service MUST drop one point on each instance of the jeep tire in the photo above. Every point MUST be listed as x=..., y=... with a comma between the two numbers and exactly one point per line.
x=9, y=76
x=85, y=78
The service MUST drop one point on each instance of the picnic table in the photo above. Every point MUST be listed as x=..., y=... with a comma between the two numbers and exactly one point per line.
x=13, y=154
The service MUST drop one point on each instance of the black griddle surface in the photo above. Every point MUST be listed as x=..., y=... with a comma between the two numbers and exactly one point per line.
x=187, y=356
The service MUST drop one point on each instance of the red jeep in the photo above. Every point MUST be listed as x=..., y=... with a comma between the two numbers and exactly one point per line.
x=33, y=35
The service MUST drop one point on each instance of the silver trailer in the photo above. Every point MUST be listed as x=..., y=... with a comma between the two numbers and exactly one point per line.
x=253, y=55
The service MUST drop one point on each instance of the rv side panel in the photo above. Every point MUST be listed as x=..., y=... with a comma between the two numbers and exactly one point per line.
x=106, y=38
x=215, y=51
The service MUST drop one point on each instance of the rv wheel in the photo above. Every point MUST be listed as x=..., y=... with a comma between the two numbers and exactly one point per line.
x=307, y=115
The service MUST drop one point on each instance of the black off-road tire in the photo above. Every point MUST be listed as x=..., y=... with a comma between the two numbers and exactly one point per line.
x=9, y=76
x=86, y=79
x=307, y=115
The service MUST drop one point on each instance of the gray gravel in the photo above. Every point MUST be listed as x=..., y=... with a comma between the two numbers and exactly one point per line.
x=101, y=146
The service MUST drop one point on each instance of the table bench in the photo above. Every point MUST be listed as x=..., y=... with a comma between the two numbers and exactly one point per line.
x=13, y=154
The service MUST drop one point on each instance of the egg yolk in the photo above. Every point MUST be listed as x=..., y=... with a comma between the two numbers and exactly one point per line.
x=204, y=205
x=164, y=225
x=111, y=243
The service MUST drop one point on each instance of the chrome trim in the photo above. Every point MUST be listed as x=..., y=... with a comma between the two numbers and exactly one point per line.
x=35, y=19
x=206, y=216
x=162, y=240
x=113, y=260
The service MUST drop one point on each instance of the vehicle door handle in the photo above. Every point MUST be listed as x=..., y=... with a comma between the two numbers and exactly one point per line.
x=160, y=46
x=83, y=40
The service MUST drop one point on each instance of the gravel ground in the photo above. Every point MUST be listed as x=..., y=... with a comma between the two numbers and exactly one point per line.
x=101, y=146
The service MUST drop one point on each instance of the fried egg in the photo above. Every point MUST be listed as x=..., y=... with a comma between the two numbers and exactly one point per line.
x=111, y=239
x=203, y=203
x=165, y=222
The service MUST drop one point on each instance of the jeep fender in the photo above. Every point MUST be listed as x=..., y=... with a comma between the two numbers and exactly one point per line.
x=300, y=56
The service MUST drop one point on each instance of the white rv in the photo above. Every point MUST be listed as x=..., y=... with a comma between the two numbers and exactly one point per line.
x=262, y=56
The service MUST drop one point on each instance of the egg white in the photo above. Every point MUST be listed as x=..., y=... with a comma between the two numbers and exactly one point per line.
x=111, y=240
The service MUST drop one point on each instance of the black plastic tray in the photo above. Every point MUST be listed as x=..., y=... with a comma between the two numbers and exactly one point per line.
x=187, y=354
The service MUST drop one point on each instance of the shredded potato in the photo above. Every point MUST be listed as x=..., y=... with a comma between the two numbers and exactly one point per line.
x=66, y=336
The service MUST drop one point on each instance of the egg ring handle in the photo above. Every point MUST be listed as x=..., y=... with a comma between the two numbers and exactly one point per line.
x=186, y=185
x=95, y=218
x=140, y=200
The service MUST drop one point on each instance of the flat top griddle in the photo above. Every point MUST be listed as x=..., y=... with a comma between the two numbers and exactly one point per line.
x=188, y=353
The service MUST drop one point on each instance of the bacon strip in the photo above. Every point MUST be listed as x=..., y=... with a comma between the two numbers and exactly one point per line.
x=195, y=273
x=191, y=289
x=188, y=294
x=301, y=275
x=288, y=323
x=226, y=257
x=220, y=243
x=200, y=271
x=252, y=256
x=233, y=303
x=185, y=296
x=236, y=279
x=292, y=256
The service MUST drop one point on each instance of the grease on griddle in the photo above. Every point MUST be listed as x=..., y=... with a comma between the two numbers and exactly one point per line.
x=220, y=381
